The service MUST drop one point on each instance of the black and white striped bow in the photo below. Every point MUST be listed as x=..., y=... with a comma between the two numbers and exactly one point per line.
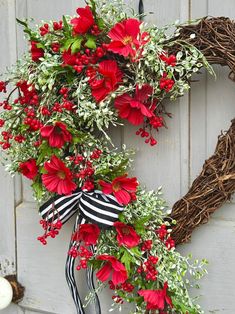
x=94, y=207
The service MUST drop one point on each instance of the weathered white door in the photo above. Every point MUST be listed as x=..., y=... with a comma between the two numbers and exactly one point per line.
x=197, y=120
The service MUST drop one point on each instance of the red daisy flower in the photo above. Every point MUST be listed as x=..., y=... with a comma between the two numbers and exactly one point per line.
x=84, y=22
x=29, y=169
x=122, y=188
x=126, y=235
x=109, y=76
x=112, y=268
x=134, y=109
x=36, y=52
x=126, y=38
x=156, y=299
x=57, y=134
x=58, y=178
x=89, y=233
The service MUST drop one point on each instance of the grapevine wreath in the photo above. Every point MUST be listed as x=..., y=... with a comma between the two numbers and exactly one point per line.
x=82, y=75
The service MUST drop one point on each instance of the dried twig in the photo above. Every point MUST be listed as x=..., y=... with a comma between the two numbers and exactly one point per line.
x=211, y=189
x=214, y=37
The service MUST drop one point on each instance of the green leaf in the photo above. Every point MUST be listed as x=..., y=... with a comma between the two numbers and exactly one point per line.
x=37, y=187
x=95, y=263
x=66, y=26
x=27, y=30
x=135, y=250
x=45, y=151
x=76, y=46
x=40, y=45
x=140, y=224
x=68, y=43
x=100, y=23
x=93, y=6
x=23, y=23
x=91, y=42
x=126, y=259
x=121, y=218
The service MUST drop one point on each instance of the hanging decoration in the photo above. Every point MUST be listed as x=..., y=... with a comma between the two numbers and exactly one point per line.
x=83, y=74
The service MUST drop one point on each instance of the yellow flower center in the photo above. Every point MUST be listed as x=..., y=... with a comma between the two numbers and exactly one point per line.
x=116, y=186
x=125, y=230
x=61, y=174
x=127, y=40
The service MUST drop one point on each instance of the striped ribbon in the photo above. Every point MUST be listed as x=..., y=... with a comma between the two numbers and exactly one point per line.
x=90, y=207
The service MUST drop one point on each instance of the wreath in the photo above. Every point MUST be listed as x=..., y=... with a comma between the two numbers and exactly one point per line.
x=82, y=75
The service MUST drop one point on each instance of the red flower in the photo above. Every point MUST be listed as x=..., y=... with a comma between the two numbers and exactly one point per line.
x=68, y=58
x=126, y=235
x=36, y=52
x=134, y=109
x=29, y=169
x=89, y=233
x=111, y=76
x=122, y=188
x=3, y=87
x=84, y=22
x=126, y=38
x=58, y=178
x=156, y=299
x=57, y=134
x=112, y=268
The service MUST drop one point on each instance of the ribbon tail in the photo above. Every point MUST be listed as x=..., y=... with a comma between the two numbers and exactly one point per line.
x=69, y=272
x=91, y=284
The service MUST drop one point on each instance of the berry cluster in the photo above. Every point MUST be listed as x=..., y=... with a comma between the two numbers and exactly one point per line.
x=3, y=87
x=83, y=58
x=84, y=169
x=147, y=245
x=117, y=299
x=166, y=83
x=51, y=230
x=6, y=137
x=5, y=105
x=126, y=286
x=45, y=29
x=149, y=138
x=149, y=268
x=171, y=60
x=162, y=232
x=84, y=254
x=170, y=243
x=164, y=236
x=29, y=96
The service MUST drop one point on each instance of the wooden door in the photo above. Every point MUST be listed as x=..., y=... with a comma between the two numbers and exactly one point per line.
x=197, y=120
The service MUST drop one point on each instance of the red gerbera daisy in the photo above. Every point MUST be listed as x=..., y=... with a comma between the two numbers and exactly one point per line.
x=126, y=235
x=89, y=233
x=112, y=268
x=122, y=188
x=125, y=37
x=58, y=178
x=36, y=52
x=156, y=299
x=105, y=79
x=57, y=134
x=134, y=109
x=84, y=22
x=29, y=169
